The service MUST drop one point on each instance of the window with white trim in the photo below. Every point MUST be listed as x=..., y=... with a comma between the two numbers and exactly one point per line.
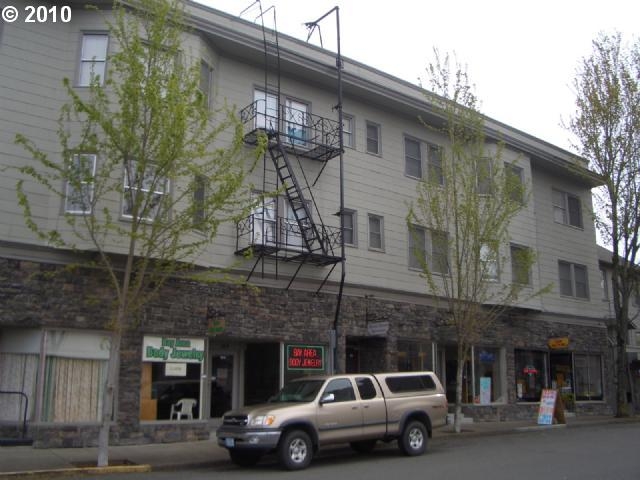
x=373, y=138
x=484, y=176
x=428, y=248
x=93, y=58
x=143, y=191
x=350, y=231
x=489, y=263
x=434, y=164
x=520, y=265
x=348, y=123
x=573, y=280
x=206, y=77
x=514, y=177
x=376, y=232
x=412, y=158
x=79, y=189
x=567, y=208
x=588, y=373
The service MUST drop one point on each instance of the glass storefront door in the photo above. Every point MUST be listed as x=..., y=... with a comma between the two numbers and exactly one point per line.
x=221, y=384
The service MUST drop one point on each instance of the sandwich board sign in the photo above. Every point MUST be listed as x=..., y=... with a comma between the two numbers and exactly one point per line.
x=547, y=406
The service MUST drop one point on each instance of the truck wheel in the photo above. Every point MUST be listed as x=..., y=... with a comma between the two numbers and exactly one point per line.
x=244, y=459
x=413, y=440
x=295, y=450
x=363, y=446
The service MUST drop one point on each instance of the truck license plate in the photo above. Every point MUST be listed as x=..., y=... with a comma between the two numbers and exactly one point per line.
x=229, y=442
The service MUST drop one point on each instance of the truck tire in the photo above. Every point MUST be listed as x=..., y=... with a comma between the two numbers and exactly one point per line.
x=363, y=446
x=295, y=450
x=244, y=459
x=413, y=440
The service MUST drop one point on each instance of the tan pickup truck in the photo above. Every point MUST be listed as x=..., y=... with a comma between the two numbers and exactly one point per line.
x=358, y=409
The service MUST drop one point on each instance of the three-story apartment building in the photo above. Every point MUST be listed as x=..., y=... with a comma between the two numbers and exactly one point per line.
x=223, y=344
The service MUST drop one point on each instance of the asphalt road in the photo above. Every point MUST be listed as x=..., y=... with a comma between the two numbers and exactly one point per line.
x=604, y=452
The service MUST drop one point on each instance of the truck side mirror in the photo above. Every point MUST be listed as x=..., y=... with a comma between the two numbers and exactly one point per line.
x=328, y=398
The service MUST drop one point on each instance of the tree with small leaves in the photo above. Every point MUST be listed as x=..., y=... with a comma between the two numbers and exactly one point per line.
x=147, y=171
x=459, y=222
x=606, y=124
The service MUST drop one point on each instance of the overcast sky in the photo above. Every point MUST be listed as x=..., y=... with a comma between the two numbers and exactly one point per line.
x=521, y=55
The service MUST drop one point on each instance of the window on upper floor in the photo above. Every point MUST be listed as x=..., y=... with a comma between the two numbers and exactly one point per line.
x=573, y=280
x=434, y=164
x=484, y=176
x=373, y=138
x=199, y=194
x=143, y=191
x=206, y=81
x=567, y=208
x=348, y=124
x=376, y=232
x=604, y=284
x=93, y=58
x=79, y=189
x=412, y=158
x=514, y=177
x=489, y=263
x=520, y=264
x=428, y=248
x=350, y=232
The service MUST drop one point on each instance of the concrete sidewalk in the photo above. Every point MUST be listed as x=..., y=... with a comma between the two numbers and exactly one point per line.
x=26, y=461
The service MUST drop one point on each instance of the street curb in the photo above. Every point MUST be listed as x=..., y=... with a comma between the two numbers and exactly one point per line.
x=59, y=472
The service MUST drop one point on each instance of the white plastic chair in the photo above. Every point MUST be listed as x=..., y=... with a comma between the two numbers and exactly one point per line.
x=183, y=408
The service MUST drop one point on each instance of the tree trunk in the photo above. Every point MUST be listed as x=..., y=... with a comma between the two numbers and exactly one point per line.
x=108, y=401
x=457, y=419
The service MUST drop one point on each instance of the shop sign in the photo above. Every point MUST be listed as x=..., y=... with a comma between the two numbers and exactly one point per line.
x=378, y=329
x=558, y=343
x=172, y=349
x=487, y=357
x=530, y=370
x=305, y=357
x=216, y=326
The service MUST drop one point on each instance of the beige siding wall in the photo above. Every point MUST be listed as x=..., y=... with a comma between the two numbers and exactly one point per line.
x=34, y=61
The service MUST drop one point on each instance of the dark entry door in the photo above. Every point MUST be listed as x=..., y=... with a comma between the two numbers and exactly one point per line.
x=262, y=372
x=222, y=384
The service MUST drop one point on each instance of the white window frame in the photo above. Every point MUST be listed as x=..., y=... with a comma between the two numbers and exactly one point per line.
x=417, y=246
x=489, y=262
x=515, y=266
x=83, y=81
x=353, y=215
x=348, y=129
x=206, y=81
x=412, y=159
x=433, y=168
x=380, y=231
x=562, y=212
x=86, y=187
x=516, y=171
x=484, y=186
x=378, y=150
x=572, y=274
x=127, y=188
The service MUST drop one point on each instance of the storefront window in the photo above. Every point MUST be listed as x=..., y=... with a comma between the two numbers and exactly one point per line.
x=588, y=373
x=488, y=375
x=73, y=379
x=171, y=378
x=531, y=374
x=19, y=362
x=483, y=376
x=414, y=356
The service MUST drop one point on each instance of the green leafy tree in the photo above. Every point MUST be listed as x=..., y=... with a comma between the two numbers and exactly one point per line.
x=147, y=171
x=462, y=211
x=606, y=124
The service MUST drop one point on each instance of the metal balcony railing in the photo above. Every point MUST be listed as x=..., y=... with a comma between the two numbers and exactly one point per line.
x=308, y=135
x=283, y=238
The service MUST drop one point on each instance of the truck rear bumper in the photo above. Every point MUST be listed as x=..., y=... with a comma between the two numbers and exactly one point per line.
x=251, y=439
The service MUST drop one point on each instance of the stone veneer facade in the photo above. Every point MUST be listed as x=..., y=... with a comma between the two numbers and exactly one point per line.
x=34, y=295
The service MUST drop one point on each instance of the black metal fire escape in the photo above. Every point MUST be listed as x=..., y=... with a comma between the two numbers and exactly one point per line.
x=292, y=135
